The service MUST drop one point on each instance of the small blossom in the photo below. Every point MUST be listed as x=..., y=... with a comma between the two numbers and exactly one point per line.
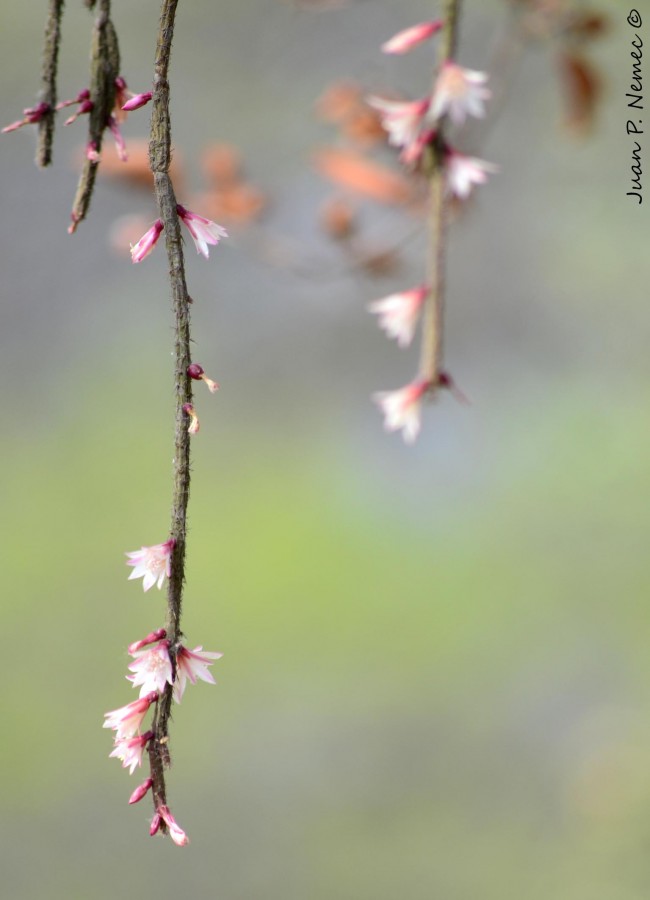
x=151, y=564
x=121, y=94
x=402, y=120
x=141, y=791
x=147, y=242
x=86, y=106
x=92, y=153
x=409, y=38
x=203, y=231
x=151, y=638
x=127, y=719
x=195, y=425
x=130, y=750
x=458, y=93
x=398, y=313
x=402, y=408
x=156, y=822
x=152, y=669
x=120, y=146
x=412, y=152
x=137, y=101
x=31, y=116
x=195, y=371
x=465, y=171
x=81, y=96
x=176, y=833
x=192, y=664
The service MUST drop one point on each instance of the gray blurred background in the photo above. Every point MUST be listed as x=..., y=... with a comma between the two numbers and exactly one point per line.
x=436, y=678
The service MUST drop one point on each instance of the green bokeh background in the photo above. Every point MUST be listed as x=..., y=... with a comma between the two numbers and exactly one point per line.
x=435, y=680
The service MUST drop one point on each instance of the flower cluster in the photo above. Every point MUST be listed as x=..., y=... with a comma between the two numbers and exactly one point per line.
x=158, y=668
x=204, y=232
x=412, y=127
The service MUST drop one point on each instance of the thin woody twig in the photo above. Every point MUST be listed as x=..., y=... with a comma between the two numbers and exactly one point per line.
x=160, y=158
x=48, y=79
x=104, y=69
x=433, y=322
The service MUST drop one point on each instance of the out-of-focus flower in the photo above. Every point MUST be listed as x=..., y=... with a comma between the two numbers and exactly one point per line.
x=194, y=425
x=137, y=101
x=195, y=371
x=402, y=408
x=151, y=638
x=152, y=668
x=127, y=719
x=141, y=791
x=120, y=146
x=465, y=171
x=81, y=96
x=398, y=313
x=130, y=750
x=409, y=38
x=85, y=107
x=401, y=119
x=147, y=242
x=190, y=665
x=458, y=93
x=203, y=231
x=31, y=116
x=151, y=563
x=412, y=152
x=176, y=833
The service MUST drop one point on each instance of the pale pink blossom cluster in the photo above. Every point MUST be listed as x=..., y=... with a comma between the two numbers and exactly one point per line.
x=412, y=126
x=205, y=233
x=153, y=670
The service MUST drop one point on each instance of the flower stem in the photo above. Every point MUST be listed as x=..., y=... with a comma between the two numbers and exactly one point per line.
x=160, y=158
x=432, y=329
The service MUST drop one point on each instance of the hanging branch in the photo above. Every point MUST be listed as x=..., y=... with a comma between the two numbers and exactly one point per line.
x=104, y=70
x=48, y=79
x=160, y=158
x=434, y=310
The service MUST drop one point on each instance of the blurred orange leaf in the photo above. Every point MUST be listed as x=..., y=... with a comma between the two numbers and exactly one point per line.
x=352, y=170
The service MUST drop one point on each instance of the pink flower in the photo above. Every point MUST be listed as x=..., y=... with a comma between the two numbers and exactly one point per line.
x=203, y=231
x=152, y=669
x=147, y=242
x=465, y=171
x=141, y=791
x=195, y=371
x=137, y=101
x=151, y=564
x=176, y=833
x=398, y=313
x=31, y=116
x=194, y=425
x=402, y=120
x=151, y=638
x=127, y=719
x=192, y=664
x=85, y=107
x=130, y=750
x=120, y=146
x=458, y=93
x=402, y=408
x=81, y=96
x=411, y=154
x=409, y=38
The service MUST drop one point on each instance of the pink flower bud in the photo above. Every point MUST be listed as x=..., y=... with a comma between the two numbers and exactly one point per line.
x=195, y=371
x=176, y=833
x=140, y=791
x=147, y=242
x=155, y=824
x=156, y=635
x=137, y=101
x=409, y=38
x=85, y=106
x=446, y=381
x=31, y=116
x=92, y=152
x=194, y=426
x=120, y=146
